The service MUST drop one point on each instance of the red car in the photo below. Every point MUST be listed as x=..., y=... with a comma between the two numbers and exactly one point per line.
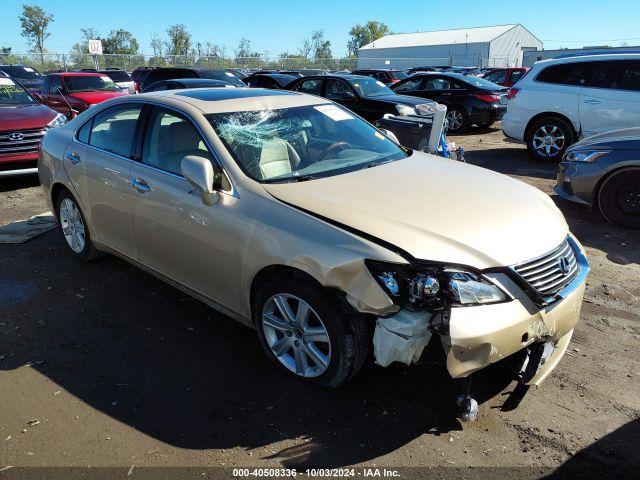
x=71, y=93
x=506, y=77
x=23, y=123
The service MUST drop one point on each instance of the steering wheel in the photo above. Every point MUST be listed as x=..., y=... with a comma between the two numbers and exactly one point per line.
x=340, y=145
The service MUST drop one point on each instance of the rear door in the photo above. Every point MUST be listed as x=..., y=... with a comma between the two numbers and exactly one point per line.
x=611, y=100
x=98, y=162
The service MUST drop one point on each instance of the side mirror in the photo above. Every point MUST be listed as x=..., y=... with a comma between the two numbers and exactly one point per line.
x=390, y=135
x=199, y=172
x=348, y=96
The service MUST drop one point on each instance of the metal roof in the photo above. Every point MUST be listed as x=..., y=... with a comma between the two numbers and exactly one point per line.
x=440, y=37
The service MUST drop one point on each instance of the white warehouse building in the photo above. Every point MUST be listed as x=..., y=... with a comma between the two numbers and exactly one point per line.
x=497, y=46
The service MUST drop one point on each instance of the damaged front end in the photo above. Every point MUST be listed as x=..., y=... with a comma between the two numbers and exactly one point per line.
x=481, y=318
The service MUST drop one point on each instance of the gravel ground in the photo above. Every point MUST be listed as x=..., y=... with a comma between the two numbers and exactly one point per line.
x=102, y=365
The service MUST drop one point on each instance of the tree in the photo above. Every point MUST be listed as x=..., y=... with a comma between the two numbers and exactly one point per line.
x=320, y=47
x=362, y=35
x=121, y=42
x=305, y=48
x=5, y=50
x=179, y=40
x=34, y=22
x=157, y=45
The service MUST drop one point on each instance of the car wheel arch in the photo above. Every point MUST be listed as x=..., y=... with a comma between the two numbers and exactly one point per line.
x=542, y=115
x=271, y=271
x=56, y=189
x=595, y=202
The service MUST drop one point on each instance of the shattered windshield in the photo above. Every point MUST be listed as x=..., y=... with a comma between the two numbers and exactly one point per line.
x=302, y=143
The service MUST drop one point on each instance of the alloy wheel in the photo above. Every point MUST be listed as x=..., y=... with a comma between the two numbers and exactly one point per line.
x=548, y=140
x=454, y=119
x=72, y=225
x=296, y=335
x=629, y=197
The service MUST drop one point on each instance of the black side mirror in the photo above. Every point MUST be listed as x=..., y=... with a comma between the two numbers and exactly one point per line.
x=348, y=96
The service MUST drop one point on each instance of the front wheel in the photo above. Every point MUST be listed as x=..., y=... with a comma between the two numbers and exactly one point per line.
x=309, y=332
x=548, y=138
x=619, y=198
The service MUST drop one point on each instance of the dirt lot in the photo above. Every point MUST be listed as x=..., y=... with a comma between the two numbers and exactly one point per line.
x=103, y=365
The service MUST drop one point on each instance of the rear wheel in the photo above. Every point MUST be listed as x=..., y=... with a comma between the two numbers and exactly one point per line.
x=309, y=332
x=73, y=227
x=619, y=198
x=548, y=138
x=456, y=120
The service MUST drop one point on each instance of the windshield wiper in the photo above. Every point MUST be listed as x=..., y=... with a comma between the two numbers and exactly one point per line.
x=375, y=164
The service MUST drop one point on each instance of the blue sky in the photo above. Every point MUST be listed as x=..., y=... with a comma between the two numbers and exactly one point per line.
x=275, y=26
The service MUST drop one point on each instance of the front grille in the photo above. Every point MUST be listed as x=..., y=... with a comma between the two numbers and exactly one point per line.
x=551, y=272
x=29, y=143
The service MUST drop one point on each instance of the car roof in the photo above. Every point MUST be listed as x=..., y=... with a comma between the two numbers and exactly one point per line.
x=77, y=74
x=218, y=100
x=194, y=81
x=587, y=58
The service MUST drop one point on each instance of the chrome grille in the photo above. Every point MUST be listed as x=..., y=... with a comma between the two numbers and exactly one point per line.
x=551, y=272
x=21, y=141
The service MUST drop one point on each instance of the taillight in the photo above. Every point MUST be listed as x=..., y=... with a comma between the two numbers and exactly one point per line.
x=487, y=97
x=512, y=93
x=136, y=89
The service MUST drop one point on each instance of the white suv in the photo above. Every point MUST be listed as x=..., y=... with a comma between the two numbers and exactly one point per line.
x=563, y=99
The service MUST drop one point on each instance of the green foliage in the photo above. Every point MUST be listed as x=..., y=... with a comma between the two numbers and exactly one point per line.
x=361, y=35
x=34, y=23
x=179, y=40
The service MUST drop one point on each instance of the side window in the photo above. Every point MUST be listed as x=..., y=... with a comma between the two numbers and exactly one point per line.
x=413, y=84
x=169, y=138
x=336, y=89
x=516, y=75
x=578, y=73
x=311, y=86
x=435, y=84
x=499, y=76
x=113, y=129
x=84, y=132
x=54, y=84
x=618, y=75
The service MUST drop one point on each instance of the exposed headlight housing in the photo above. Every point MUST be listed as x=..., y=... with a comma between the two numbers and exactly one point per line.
x=58, y=121
x=405, y=110
x=417, y=287
x=426, y=109
x=584, y=155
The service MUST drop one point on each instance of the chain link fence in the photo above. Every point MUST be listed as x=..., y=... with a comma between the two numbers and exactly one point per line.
x=75, y=61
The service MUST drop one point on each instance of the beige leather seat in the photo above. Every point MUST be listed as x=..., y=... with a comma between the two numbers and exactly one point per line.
x=277, y=158
x=178, y=140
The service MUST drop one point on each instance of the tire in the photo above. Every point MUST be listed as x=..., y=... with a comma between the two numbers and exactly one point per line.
x=619, y=198
x=73, y=227
x=549, y=137
x=457, y=120
x=344, y=344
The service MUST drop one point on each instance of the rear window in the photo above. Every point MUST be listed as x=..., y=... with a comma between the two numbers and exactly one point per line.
x=222, y=75
x=398, y=75
x=578, y=73
x=117, y=75
x=20, y=72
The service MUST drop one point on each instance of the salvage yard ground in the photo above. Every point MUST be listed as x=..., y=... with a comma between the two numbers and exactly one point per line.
x=103, y=365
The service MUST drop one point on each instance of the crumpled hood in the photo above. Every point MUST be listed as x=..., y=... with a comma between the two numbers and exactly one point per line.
x=437, y=209
x=95, y=97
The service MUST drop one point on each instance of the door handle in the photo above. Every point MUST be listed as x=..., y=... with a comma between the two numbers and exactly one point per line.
x=140, y=185
x=73, y=157
x=592, y=101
